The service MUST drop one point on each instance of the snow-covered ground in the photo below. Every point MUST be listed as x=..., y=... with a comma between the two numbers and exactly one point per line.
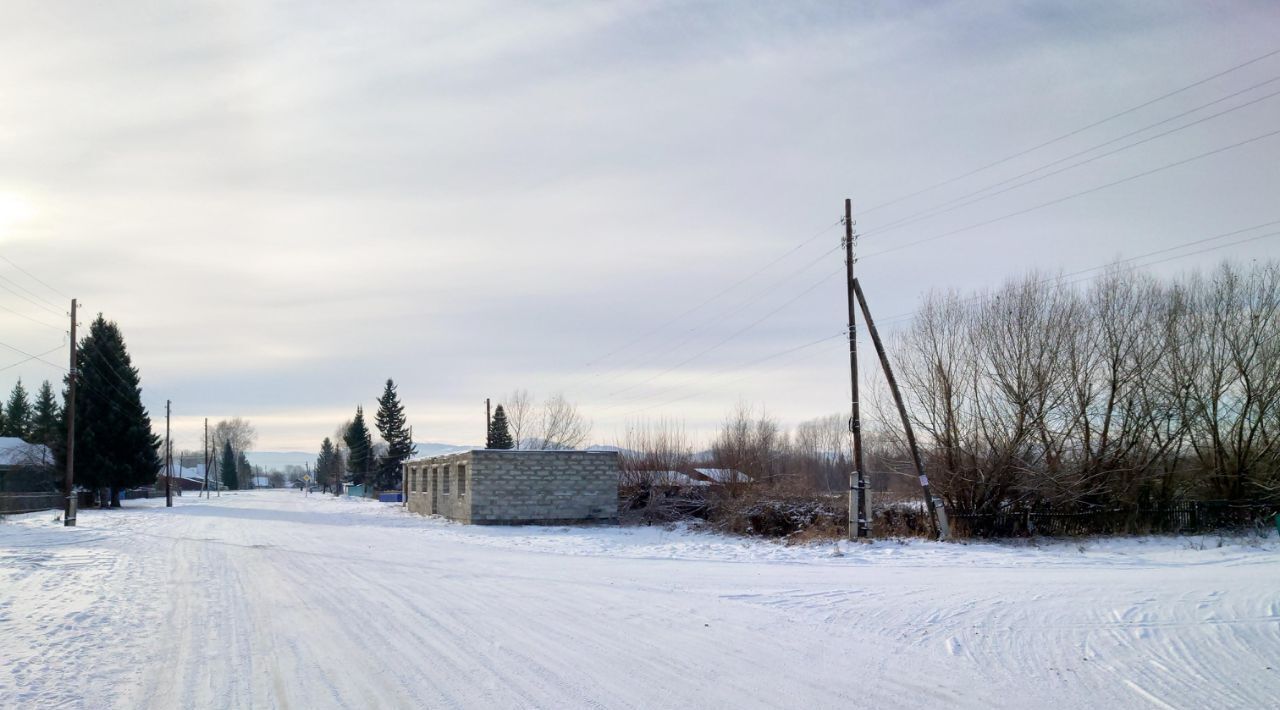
x=272, y=599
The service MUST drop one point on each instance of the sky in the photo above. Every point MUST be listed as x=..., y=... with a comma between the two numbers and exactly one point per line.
x=635, y=204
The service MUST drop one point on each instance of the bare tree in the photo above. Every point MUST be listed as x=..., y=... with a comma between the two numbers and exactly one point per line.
x=239, y=432
x=519, y=411
x=750, y=445
x=561, y=425
x=652, y=450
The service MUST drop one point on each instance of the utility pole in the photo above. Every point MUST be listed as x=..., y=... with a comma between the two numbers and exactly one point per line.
x=206, y=457
x=168, y=460
x=902, y=412
x=69, y=515
x=488, y=421
x=859, y=516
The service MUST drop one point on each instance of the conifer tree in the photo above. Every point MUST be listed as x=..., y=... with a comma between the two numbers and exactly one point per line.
x=391, y=424
x=244, y=471
x=328, y=467
x=499, y=432
x=46, y=423
x=115, y=446
x=17, y=414
x=360, y=448
x=230, y=477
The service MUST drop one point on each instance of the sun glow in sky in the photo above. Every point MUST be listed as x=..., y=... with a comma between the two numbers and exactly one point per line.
x=14, y=210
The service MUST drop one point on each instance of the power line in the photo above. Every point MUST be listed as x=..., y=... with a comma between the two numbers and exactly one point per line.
x=976, y=297
x=32, y=357
x=29, y=292
x=26, y=298
x=715, y=295
x=33, y=320
x=33, y=277
x=950, y=205
x=1072, y=196
x=729, y=337
x=841, y=335
x=1193, y=242
x=1077, y=131
x=113, y=398
x=722, y=314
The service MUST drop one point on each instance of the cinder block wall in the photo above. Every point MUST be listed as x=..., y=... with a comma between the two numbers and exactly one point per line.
x=428, y=494
x=516, y=487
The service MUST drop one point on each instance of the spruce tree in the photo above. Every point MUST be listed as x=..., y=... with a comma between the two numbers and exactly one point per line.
x=46, y=423
x=394, y=430
x=327, y=470
x=244, y=471
x=115, y=446
x=17, y=414
x=360, y=447
x=230, y=477
x=499, y=433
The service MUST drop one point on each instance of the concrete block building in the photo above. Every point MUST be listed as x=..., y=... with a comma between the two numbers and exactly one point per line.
x=507, y=487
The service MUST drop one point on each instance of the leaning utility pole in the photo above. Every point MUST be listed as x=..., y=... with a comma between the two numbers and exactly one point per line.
x=168, y=460
x=206, y=458
x=902, y=412
x=859, y=516
x=69, y=515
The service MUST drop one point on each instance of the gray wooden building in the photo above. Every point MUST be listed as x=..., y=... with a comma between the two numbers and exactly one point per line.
x=507, y=487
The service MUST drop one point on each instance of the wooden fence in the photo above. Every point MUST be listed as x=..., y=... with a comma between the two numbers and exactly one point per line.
x=13, y=503
x=1183, y=517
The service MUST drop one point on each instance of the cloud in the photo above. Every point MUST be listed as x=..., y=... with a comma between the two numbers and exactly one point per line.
x=283, y=205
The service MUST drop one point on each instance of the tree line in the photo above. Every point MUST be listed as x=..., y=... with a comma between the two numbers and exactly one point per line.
x=1130, y=391
x=1134, y=391
x=352, y=456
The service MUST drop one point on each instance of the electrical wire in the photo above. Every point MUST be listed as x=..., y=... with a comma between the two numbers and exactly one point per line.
x=33, y=277
x=1074, y=132
x=1074, y=195
x=951, y=205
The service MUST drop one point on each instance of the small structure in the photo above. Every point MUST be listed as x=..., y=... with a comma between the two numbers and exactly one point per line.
x=514, y=487
x=25, y=467
x=722, y=476
x=355, y=490
x=668, y=479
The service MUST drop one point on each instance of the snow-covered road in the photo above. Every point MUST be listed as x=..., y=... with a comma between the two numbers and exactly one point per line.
x=271, y=599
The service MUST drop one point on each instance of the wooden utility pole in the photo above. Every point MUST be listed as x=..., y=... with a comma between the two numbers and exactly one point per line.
x=69, y=514
x=168, y=460
x=902, y=412
x=206, y=458
x=859, y=516
x=488, y=421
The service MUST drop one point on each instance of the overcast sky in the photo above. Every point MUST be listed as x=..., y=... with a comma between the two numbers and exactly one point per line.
x=283, y=204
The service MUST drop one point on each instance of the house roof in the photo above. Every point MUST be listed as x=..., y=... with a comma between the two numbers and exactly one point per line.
x=16, y=452
x=672, y=478
x=724, y=475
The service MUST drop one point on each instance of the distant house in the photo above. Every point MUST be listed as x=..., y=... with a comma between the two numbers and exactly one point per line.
x=24, y=466
x=188, y=478
x=16, y=453
x=669, y=479
x=722, y=476
x=261, y=482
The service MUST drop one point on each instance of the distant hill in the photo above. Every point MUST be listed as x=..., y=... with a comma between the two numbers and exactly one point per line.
x=275, y=460
x=271, y=460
